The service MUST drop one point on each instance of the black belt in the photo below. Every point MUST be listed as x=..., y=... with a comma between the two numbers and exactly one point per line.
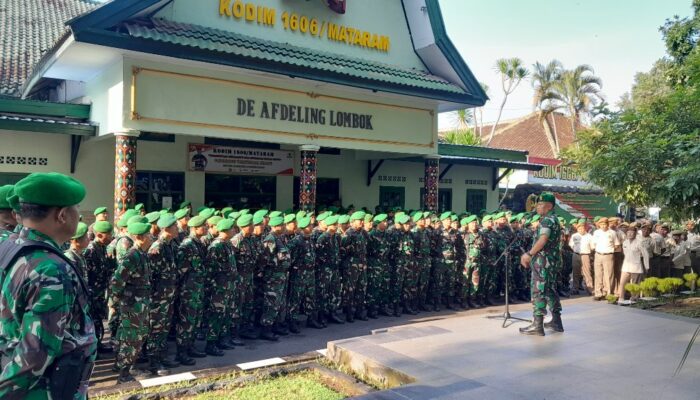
x=604, y=254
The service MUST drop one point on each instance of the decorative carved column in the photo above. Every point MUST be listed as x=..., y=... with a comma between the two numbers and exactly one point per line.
x=432, y=176
x=124, y=174
x=307, y=177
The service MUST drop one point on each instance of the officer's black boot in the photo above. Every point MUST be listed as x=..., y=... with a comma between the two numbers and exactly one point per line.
x=535, y=328
x=156, y=367
x=294, y=326
x=104, y=348
x=193, y=352
x=124, y=376
x=183, y=358
x=267, y=334
x=555, y=324
x=212, y=350
x=313, y=321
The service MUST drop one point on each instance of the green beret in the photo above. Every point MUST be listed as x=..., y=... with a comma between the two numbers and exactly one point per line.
x=499, y=215
x=287, y=211
x=235, y=215
x=453, y=217
x=368, y=218
x=303, y=222
x=129, y=213
x=245, y=220
x=289, y=218
x=224, y=224
x=547, y=197
x=357, y=215
x=417, y=216
x=102, y=227
x=487, y=217
x=535, y=218
x=512, y=219
x=182, y=213
x=402, y=219
x=275, y=214
x=185, y=204
x=380, y=218
x=164, y=211
x=597, y=218
x=677, y=232
x=196, y=221
x=301, y=214
x=226, y=210
x=152, y=216
x=445, y=215
x=582, y=221
x=323, y=216
x=214, y=220
x=471, y=218
x=200, y=209
x=50, y=189
x=13, y=200
x=100, y=210
x=206, y=213
x=463, y=221
x=139, y=207
x=331, y=220
x=123, y=223
x=276, y=221
x=137, y=218
x=138, y=228
x=166, y=220
x=520, y=216
x=343, y=219
x=80, y=231
x=246, y=211
x=573, y=221
x=4, y=191
x=226, y=213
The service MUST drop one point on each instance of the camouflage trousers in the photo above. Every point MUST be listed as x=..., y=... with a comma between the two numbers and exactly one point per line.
x=449, y=279
x=438, y=280
x=424, y=269
x=377, y=280
x=398, y=276
x=471, y=278
x=566, y=270
x=459, y=287
x=161, y=316
x=233, y=304
x=324, y=277
x=302, y=293
x=335, y=291
x=487, y=274
x=189, y=310
x=133, y=330
x=274, y=292
x=410, y=283
x=354, y=287
x=544, y=287
x=246, y=296
x=219, y=305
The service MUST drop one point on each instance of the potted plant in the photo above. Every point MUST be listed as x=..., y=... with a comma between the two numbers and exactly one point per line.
x=691, y=281
x=649, y=288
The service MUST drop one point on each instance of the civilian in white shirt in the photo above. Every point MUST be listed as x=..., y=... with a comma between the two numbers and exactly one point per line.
x=615, y=224
x=636, y=262
x=680, y=255
x=581, y=243
x=605, y=241
x=694, y=244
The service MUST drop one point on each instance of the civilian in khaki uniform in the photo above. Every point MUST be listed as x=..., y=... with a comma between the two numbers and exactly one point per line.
x=694, y=244
x=636, y=261
x=581, y=243
x=605, y=242
x=658, y=248
x=618, y=255
x=680, y=254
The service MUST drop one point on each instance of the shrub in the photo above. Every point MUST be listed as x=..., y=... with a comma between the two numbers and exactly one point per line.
x=674, y=284
x=691, y=280
x=649, y=287
x=633, y=288
x=611, y=298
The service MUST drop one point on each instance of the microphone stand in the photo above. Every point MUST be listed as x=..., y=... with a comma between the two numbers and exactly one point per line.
x=506, y=314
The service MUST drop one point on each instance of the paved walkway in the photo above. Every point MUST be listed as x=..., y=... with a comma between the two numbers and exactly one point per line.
x=607, y=352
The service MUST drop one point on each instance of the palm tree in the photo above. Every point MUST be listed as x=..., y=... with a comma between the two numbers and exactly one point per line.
x=479, y=122
x=579, y=91
x=462, y=118
x=512, y=73
x=464, y=137
x=544, y=100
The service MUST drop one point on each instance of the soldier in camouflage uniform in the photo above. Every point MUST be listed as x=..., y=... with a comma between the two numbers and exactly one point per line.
x=353, y=254
x=8, y=218
x=460, y=286
x=436, y=263
x=44, y=330
x=131, y=291
x=246, y=261
x=183, y=231
x=519, y=247
x=504, y=237
x=221, y=265
x=164, y=279
x=190, y=257
x=545, y=260
x=101, y=215
x=404, y=258
x=100, y=268
x=78, y=243
x=474, y=245
x=378, y=268
x=328, y=288
x=421, y=257
x=275, y=274
x=487, y=274
x=302, y=278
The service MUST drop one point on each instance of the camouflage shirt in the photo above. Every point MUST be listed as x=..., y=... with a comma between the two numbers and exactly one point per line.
x=99, y=266
x=303, y=253
x=43, y=316
x=327, y=252
x=353, y=249
x=378, y=246
x=78, y=261
x=549, y=225
x=277, y=253
x=220, y=258
x=421, y=243
x=245, y=253
x=161, y=257
x=132, y=279
x=190, y=257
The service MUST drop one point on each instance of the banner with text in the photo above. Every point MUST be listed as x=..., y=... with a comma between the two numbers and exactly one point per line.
x=239, y=160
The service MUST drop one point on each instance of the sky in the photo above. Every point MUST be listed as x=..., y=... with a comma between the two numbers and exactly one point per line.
x=618, y=38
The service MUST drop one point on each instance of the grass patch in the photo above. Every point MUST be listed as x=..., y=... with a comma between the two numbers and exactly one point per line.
x=301, y=386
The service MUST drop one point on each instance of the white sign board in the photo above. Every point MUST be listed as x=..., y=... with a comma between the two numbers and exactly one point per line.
x=239, y=160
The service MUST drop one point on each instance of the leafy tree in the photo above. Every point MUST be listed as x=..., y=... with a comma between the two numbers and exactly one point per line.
x=512, y=72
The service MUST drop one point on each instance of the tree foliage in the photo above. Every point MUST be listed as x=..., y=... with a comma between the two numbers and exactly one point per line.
x=464, y=137
x=649, y=152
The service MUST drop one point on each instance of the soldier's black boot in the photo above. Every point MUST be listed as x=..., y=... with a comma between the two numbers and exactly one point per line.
x=235, y=338
x=124, y=376
x=313, y=321
x=349, y=315
x=280, y=329
x=536, y=328
x=385, y=311
x=193, y=352
x=249, y=332
x=487, y=300
x=397, y=310
x=373, y=313
x=183, y=358
x=323, y=319
x=157, y=368
x=436, y=306
x=212, y=350
x=408, y=310
x=168, y=363
x=224, y=343
x=470, y=304
x=294, y=326
x=555, y=324
x=267, y=334
x=362, y=315
x=335, y=318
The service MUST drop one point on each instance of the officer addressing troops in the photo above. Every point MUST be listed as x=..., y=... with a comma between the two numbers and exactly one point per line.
x=48, y=338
